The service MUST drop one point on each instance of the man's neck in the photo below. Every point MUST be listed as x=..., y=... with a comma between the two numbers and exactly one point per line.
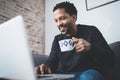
x=74, y=31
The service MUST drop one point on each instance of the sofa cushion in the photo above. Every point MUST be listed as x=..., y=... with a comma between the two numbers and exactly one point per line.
x=114, y=73
x=39, y=59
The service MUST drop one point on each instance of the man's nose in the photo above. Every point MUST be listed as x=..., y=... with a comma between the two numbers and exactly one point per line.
x=59, y=23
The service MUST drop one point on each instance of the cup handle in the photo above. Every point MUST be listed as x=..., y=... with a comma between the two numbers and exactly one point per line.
x=74, y=46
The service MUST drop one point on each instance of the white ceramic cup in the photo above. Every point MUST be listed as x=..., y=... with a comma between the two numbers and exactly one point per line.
x=66, y=45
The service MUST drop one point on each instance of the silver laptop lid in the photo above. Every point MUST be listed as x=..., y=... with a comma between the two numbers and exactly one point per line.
x=15, y=56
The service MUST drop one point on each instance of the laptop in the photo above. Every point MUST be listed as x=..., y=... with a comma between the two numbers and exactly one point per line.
x=16, y=60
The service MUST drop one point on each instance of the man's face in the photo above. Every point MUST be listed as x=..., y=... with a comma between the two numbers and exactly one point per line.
x=64, y=21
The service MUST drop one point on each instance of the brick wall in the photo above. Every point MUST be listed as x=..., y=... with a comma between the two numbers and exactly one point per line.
x=33, y=12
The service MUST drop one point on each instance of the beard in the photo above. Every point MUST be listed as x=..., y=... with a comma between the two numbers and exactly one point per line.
x=67, y=29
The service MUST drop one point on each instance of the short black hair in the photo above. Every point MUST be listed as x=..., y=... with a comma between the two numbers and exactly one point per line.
x=69, y=8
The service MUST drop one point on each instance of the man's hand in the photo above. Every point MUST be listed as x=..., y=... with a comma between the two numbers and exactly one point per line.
x=42, y=69
x=81, y=45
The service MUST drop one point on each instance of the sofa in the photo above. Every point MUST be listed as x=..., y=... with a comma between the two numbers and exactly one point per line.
x=113, y=73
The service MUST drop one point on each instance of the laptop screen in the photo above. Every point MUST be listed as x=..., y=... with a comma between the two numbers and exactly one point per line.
x=16, y=61
x=15, y=56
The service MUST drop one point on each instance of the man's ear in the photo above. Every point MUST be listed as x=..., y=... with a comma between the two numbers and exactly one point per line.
x=74, y=18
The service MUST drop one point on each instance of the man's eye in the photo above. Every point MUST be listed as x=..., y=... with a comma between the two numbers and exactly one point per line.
x=62, y=18
x=55, y=20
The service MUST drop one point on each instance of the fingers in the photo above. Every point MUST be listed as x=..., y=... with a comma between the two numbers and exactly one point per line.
x=37, y=69
x=81, y=45
x=75, y=40
x=42, y=69
x=81, y=48
x=49, y=71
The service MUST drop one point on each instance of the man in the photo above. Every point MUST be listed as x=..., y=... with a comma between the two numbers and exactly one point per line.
x=91, y=56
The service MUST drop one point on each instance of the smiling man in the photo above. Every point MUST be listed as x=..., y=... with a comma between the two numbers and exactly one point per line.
x=65, y=22
x=91, y=55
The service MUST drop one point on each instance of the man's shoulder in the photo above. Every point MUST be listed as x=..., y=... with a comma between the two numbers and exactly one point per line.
x=86, y=26
x=58, y=36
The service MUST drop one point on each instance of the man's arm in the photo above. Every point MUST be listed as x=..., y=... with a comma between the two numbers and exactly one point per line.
x=51, y=64
x=102, y=52
x=52, y=61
